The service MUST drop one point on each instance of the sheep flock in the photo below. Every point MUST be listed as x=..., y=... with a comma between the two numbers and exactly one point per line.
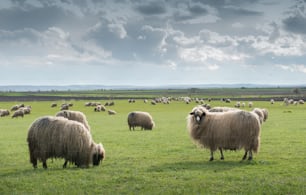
x=68, y=135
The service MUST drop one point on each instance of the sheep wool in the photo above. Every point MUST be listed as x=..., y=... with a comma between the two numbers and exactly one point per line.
x=58, y=137
x=140, y=119
x=74, y=115
x=225, y=130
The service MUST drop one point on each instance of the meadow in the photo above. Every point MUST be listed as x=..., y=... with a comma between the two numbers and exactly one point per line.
x=161, y=161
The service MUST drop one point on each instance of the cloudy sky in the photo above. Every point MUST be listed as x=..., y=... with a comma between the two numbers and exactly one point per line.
x=158, y=42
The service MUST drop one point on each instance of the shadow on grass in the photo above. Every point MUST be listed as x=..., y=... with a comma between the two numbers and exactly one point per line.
x=205, y=165
x=30, y=171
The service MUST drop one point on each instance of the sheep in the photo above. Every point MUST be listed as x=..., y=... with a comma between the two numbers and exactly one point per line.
x=265, y=114
x=53, y=105
x=272, y=101
x=250, y=104
x=260, y=114
x=26, y=110
x=237, y=105
x=222, y=109
x=18, y=113
x=16, y=107
x=64, y=107
x=227, y=130
x=111, y=112
x=142, y=119
x=58, y=137
x=74, y=115
x=4, y=112
x=99, y=108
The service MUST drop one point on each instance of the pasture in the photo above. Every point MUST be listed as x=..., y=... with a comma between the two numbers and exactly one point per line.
x=161, y=161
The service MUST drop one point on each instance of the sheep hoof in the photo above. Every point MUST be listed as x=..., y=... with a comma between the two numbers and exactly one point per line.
x=250, y=158
x=211, y=159
x=222, y=158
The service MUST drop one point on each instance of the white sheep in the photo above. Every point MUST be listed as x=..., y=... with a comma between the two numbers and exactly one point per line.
x=225, y=130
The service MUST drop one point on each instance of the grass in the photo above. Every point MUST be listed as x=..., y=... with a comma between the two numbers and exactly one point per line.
x=162, y=161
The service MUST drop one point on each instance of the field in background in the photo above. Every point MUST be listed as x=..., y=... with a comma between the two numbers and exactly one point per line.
x=161, y=161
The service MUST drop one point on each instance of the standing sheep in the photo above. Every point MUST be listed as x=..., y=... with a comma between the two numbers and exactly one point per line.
x=74, y=115
x=141, y=119
x=58, y=137
x=226, y=130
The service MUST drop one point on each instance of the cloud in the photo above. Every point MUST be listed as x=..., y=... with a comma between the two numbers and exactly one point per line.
x=292, y=68
x=151, y=8
x=296, y=20
x=118, y=29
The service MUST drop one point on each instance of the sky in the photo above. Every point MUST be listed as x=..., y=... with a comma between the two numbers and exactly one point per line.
x=153, y=43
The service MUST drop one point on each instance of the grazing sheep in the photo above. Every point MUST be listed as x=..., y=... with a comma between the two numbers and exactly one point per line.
x=227, y=100
x=227, y=130
x=16, y=107
x=4, y=112
x=265, y=114
x=250, y=104
x=301, y=101
x=222, y=109
x=18, y=113
x=111, y=112
x=141, y=119
x=97, y=108
x=74, y=115
x=237, y=105
x=26, y=110
x=58, y=137
x=272, y=101
x=260, y=114
x=53, y=105
x=64, y=107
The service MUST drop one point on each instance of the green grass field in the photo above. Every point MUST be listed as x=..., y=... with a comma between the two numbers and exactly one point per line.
x=161, y=161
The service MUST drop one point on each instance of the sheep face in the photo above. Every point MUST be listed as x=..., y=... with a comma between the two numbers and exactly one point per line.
x=98, y=155
x=198, y=114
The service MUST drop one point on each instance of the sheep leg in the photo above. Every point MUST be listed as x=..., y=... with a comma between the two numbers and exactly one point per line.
x=250, y=155
x=245, y=155
x=65, y=164
x=211, y=156
x=221, y=152
x=33, y=161
x=45, y=164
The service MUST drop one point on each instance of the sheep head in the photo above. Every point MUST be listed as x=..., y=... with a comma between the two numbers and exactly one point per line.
x=198, y=113
x=98, y=155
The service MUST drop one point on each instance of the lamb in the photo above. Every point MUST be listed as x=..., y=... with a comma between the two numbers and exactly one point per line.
x=58, y=137
x=141, y=119
x=74, y=115
x=227, y=130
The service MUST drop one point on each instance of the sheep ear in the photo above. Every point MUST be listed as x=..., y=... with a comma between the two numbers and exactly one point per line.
x=191, y=113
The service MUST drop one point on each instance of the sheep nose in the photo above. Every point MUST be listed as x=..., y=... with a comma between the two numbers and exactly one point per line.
x=198, y=118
